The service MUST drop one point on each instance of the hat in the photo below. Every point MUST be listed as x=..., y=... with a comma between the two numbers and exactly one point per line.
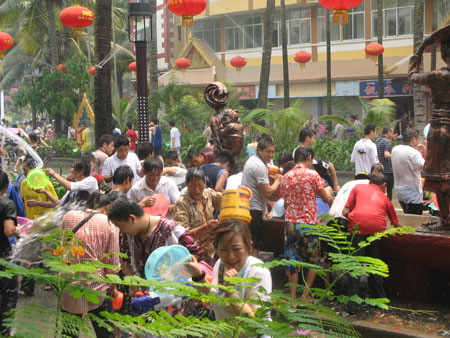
x=43, y=118
x=160, y=208
x=362, y=175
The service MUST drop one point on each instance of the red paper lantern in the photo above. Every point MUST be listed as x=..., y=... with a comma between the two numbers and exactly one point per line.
x=340, y=8
x=238, y=62
x=61, y=67
x=182, y=64
x=6, y=42
x=76, y=17
x=132, y=66
x=187, y=9
x=373, y=50
x=302, y=58
x=92, y=70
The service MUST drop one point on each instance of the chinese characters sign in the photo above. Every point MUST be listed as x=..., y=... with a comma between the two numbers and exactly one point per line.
x=395, y=87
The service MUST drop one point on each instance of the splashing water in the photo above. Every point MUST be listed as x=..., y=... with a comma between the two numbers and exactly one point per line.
x=29, y=247
x=24, y=144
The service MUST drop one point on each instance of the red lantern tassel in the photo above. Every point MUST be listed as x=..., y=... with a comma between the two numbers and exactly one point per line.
x=187, y=20
x=340, y=16
x=2, y=55
x=302, y=66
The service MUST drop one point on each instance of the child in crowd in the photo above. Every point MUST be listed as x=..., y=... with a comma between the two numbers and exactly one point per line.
x=233, y=244
x=366, y=210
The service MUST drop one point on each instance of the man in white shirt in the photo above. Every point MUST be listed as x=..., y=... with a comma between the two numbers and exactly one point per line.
x=154, y=183
x=364, y=153
x=121, y=157
x=339, y=132
x=407, y=163
x=175, y=142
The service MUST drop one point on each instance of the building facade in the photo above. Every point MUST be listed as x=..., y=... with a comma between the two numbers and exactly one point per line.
x=229, y=28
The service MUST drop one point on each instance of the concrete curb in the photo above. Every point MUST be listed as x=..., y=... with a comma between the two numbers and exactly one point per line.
x=371, y=331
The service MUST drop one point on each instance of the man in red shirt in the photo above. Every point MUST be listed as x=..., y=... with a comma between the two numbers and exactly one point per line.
x=299, y=188
x=132, y=136
x=366, y=210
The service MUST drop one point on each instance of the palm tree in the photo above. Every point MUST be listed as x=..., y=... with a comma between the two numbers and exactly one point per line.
x=267, y=55
x=102, y=83
x=328, y=33
x=153, y=56
x=419, y=96
x=285, y=55
x=380, y=41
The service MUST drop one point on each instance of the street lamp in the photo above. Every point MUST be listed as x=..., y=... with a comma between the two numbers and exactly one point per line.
x=139, y=33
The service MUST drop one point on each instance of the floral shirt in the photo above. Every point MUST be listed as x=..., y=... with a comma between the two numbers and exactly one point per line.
x=299, y=188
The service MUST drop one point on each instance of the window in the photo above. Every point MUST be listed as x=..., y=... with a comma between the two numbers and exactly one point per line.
x=208, y=30
x=243, y=32
x=397, y=14
x=441, y=8
x=353, y=30
x=298, y=26
x=276, y=34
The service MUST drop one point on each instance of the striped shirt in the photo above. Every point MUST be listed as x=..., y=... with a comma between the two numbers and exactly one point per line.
x=99, y=237
x=383, y=144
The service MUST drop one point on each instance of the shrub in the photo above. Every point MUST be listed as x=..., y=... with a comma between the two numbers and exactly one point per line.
x=64, y=148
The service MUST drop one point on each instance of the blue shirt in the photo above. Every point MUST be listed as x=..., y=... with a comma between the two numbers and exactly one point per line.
x=12, y=194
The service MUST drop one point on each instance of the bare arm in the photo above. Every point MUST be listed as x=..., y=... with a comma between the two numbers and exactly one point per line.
x=325, y=195
x=345, y=212
x=9, y=228
x=387, y=155
x=65, y=183
x=220, y=184
x=268, y=190
x=333, y=175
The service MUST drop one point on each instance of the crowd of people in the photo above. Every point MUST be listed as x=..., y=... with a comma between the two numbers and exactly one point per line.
x=122, y=180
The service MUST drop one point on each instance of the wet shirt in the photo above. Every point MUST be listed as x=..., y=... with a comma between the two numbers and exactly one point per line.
x=299, y=188
x=187, y=212
x=368, y=209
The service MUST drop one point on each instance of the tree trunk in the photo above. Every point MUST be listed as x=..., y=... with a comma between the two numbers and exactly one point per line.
x=102, y=82
x=267, y=55
x=328, y=33
x=380, y=41
x=153, y=58
x=54, y=56
x=419, y=96
x=285, y=55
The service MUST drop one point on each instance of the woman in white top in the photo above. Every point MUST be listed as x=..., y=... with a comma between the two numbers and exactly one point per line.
x=233, y=244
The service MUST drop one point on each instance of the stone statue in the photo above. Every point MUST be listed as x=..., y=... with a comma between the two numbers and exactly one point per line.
x=437, y=164
x=227, y=132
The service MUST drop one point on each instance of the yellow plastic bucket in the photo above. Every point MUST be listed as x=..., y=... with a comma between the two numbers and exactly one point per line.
x=235, y=204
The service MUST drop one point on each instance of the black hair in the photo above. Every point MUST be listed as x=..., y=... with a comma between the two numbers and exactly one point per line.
x=195, y=174
x=129, y=125
x=121, y=209
x=224, y=159
x=121, y=140
x=144, y=150
x=386, y=130
x=172, y=155
x=107, y=138
x=151, y=164
x=288, y=166
x=122, y=173
x=265, y=141
x=378, y=167
x=409, y=134
x=30, y=162
x=4, y=180
x=82, y=165
x=378, y=179
x=369, y=128
x=172, y=123
x=83, y=123
x=88, y=157
x=256, y=135
x=302, y=153
x=237, y=168
x=304, y=133
x=155, y=121
x=98, y=200
x=284, y=157
x=33, y=137
x=192, y=153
